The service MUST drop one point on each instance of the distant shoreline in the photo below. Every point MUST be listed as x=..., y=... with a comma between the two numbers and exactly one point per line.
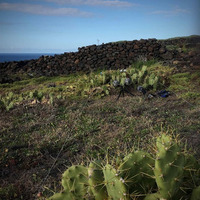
x=10, y=57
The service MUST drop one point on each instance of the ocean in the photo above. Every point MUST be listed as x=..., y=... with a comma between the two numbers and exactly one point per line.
x=7, y=57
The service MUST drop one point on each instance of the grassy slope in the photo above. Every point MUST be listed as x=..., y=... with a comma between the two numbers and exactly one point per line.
x=32, y=133
x=183, y=37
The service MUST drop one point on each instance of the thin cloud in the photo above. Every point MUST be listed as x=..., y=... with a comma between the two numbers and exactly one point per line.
x=176, y=11
x=111, y=3
x=44, y=10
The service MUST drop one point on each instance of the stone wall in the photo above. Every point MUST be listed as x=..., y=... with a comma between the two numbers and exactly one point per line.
x=105, y=56
x=114, y=55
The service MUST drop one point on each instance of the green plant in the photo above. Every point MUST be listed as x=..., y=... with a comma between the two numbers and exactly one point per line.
x=8, y=192
x=153, y=81
x=169, y=166
x=1, y=104
x=96, y=180
x=136, y=170
x=115, y=184
x=75, y=183
x=51, y=98
x=137, y=175
x=7, y=102
x=196, y=194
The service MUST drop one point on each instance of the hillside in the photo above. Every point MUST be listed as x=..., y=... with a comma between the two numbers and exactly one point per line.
x=48, y=123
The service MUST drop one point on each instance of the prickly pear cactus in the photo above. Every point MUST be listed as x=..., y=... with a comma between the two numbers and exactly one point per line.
x=153, y=81
x=169, y=166
x=144, y=69
x=140, y=77
x=96, y=181
x=134, y=78
x=122, y=82
x=75, y=183
x=196, y=194
x=63, y=196
x=154, y=196
x=131, y=71
x=136, y=169
x=114, y=183
x=155, y=84
x=192, y=169
x=75, y=180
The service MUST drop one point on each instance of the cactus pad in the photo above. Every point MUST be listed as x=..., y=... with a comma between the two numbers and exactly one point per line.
x=196, y=194
x=114, y=183
x=136, y=169
x=62, y=196
x=75, y=180
x=154, y=196
x=96, y=181
x=168, y=166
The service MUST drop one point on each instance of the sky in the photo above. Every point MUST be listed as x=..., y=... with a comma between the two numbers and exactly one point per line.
x=58, y=26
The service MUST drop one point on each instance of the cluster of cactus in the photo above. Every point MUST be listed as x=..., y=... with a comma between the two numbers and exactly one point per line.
x=144, y=77
x=40, y=96
x=7, y=102
x=95, y=85
x=36, y=95
x=134, y=77
x=100, y=84
x=171, y=174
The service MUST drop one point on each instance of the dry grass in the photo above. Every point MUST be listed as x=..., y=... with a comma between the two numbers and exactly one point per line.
x=31, y=135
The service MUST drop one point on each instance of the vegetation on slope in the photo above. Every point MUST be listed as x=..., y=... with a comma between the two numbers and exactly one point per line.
x=68, y=113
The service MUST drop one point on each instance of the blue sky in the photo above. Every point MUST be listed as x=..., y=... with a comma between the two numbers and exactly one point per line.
x=57, y=26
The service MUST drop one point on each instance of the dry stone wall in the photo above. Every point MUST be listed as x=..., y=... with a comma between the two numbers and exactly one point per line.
x=90, y=58
x=105, y=56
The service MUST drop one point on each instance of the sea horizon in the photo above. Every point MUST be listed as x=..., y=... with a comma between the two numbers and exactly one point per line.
x=11, y=57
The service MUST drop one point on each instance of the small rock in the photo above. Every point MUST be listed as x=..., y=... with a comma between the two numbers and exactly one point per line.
x=192, y=53
x=150, y=49
x=136, y=47
x=176, y=62
x=76, y=61
x=167, y=56
x=162, y=50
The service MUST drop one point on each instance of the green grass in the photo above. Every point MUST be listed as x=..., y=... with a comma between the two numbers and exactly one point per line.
x=75, y=86
x=186, y=84
x=32, y=133
x=185, y=37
